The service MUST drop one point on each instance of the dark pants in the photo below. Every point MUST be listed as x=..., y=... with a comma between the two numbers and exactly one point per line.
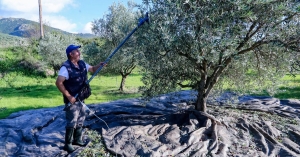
x=75, y=115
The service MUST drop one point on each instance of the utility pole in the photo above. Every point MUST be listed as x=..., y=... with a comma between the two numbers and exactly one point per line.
x=41, y=22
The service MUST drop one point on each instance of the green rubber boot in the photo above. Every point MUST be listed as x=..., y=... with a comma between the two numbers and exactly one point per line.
x=78, y=137
x=68, y=140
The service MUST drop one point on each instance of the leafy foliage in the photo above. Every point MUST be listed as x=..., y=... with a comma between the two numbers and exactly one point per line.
x=33, y=66
x=21, y=61
x=193, y=43
x=11, y=41
x=295, y=68
x=52, y=48
x=93, y=52
x=96, y=148
x=114, y=27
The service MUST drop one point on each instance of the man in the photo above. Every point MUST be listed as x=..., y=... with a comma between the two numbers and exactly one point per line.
x=72, y=76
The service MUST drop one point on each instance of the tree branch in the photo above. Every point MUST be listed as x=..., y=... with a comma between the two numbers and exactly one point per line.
x=287, y=18
x=249, y=35
x=180, y=53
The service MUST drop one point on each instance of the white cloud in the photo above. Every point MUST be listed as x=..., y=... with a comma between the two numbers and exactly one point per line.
x=29, y=16
x=54, y=6
x=87, y=28
x=31, y=6
x=19, y=5
x=60, y=22
x=28, y=9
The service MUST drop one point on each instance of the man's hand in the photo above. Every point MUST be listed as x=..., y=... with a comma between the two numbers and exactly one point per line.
x=103, y=63
x=71, y=99
x=93, y=69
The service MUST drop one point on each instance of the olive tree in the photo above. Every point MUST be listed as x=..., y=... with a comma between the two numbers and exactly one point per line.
x=195, y=43
x=114, y=27
x=52, y=48
x=295, y=68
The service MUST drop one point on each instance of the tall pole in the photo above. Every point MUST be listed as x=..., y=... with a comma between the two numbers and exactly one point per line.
x=41, y=22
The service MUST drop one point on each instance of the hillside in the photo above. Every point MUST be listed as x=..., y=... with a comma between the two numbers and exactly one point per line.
x=25, y=28
x=10, y=40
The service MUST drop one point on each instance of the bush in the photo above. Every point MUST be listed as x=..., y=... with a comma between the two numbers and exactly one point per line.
x=52, y=49
x=18, y=59
x=32, y=66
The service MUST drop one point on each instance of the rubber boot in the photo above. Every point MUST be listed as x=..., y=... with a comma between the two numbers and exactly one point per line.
x=68, y=140
x=78, y=137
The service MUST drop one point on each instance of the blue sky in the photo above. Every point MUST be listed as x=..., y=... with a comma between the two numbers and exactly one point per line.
x=69, y=15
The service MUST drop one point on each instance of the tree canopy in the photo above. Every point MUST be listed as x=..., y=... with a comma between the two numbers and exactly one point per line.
x=195, y=43
x=114, y=27
x=52, y=48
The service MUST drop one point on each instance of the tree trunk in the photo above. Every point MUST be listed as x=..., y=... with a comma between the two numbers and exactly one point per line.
x=41, y=22
x=205, y=85
x=124, y=73
x=122, y=85
x=55, y=71
x=201, y=101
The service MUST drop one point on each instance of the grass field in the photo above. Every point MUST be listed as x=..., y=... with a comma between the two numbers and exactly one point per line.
x=21, y=93
x=290, y=90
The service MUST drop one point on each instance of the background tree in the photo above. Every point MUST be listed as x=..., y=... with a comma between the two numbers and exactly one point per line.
x=295, y=66
x=195, y=42
x=93, y=52
x=52, y=49
x=114, y=27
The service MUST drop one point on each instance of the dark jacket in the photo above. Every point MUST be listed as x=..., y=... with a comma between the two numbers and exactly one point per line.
x=77, y=78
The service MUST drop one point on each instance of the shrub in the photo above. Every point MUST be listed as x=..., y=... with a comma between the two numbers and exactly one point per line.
x=52, y=49
x=33, y=66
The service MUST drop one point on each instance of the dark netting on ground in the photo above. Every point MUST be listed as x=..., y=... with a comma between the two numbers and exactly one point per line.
x=166, y=126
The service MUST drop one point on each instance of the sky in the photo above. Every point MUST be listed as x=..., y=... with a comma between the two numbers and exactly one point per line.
x=73, y=16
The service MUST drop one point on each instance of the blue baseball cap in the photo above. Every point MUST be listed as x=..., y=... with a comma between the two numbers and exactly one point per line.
x=70, y=48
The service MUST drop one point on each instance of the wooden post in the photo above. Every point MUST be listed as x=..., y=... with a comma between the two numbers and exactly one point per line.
x=41, y=22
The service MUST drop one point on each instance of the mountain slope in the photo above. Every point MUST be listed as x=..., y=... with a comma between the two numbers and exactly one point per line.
x=9, y=40
x=25, y=28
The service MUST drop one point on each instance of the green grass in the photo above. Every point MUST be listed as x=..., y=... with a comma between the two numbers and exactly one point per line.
x=291, y=88
x=19, y=92
x=287, y=87
x=22, y=93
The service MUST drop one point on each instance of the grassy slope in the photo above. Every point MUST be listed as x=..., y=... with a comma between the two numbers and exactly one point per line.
x=9, y=40
x=19, y=92
x=290, y=90
x=32, y=93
